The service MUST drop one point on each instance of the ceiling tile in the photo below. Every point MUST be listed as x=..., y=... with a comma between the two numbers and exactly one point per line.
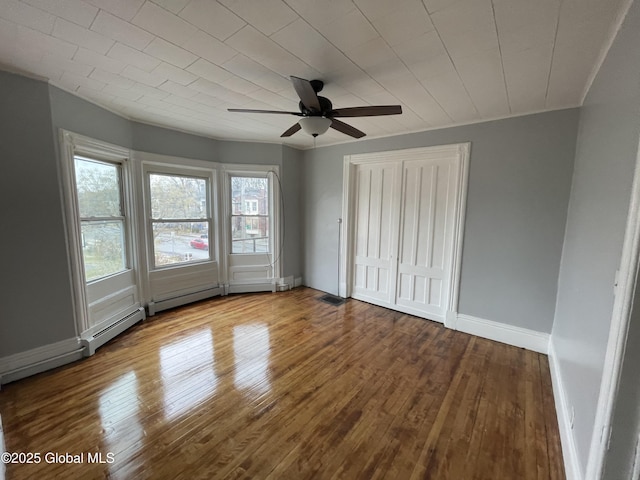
x=208, y=70
x=468, y=43
x=448, y=90
x=170, y=53
x=425, y=47
x=141, y=76
x=435, y=67
x=525, y=37
x=73, y=33
x=240, y=85
x=89, y=57
x=174, y=6
x=215, y=19
x=177, y=89
x=72, y=81
x=148, y=91
x=315, y=50
x=23, y=14
x=76, y=11
x=374, y=52
x=349, y=31
x=209, y=48
x=117, y=29
x=526, y=74
x=111, y=78
x=174, y=74
x=265, y=51
x=207, y=100
x=322, y=13
x=273, y=100
x=43, y=43
x=260, y=75
x=397, y=21
x=437, y=5
x=268, y=16
x=163, y=24
x=67, y=65
x=133, y=57
x=464, y=15
x=483, y=78
x=125, y=9
x=125, y=93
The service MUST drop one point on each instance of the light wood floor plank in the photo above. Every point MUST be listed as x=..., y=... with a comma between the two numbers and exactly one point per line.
x=283, y=386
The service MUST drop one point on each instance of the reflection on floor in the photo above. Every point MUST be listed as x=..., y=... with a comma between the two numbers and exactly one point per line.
x=283, y=386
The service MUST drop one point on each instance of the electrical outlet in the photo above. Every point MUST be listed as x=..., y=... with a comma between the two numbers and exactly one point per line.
x=572, y=417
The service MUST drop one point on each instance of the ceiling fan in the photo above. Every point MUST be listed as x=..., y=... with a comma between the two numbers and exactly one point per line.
x=318, y=113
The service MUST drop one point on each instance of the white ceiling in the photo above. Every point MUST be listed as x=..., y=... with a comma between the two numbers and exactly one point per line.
x=182, y=63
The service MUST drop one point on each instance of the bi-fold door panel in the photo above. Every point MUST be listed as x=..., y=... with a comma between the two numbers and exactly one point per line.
x=376, y=240
x=426, y=229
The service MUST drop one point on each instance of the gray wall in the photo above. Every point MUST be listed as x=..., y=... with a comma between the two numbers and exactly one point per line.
x=163, y=141
x=626, y=419
x=76, y=115
x=519, y=181
x=36, y=287
x=606, y=152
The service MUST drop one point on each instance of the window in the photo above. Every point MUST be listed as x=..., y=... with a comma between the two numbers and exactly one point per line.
x=250, y=214
x=102, y=218
x=180, y=219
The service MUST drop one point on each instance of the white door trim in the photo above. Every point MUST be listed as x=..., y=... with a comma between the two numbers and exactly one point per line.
x=348, y=213
x=618, y=331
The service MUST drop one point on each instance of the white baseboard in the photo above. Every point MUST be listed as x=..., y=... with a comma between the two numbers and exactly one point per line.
x=284, y=283
x=501, y=332
x=569, y=452
x=40, y=359
x=297, y=282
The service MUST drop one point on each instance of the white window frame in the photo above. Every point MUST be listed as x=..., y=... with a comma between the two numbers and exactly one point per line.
x=73, y=144
x=172, y=285
x=272, y=173
x=179, y=171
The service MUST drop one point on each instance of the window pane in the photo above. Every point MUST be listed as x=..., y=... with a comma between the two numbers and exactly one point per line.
x=180, y=242
x=249, y=196
x=249, y=234
x=98, y=186
x=249, y=228
x=103, y=248
x=177, y=197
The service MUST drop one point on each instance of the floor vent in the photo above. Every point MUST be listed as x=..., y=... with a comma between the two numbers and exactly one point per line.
x=332, y=300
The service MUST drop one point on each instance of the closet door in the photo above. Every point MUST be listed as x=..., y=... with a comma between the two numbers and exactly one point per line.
x=376, y=240
x=426, y=236
x=404, y=224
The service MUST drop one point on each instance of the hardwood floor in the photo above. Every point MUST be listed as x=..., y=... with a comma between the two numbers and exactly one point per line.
x=283, y=386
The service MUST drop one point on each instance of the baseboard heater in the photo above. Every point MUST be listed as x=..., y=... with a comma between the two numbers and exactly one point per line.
x=172, y=302
x=101, y=337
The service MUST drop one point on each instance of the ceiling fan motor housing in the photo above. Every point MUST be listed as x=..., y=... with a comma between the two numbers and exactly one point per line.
x=325, y=108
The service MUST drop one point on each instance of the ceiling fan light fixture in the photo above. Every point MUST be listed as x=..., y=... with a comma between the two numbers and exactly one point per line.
x=315, y=126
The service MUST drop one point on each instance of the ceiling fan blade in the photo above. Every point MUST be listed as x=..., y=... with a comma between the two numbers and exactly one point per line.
x=307, y=94
x=246, y=110
x=346, y=129
x=368, y=111
x=294, y=128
